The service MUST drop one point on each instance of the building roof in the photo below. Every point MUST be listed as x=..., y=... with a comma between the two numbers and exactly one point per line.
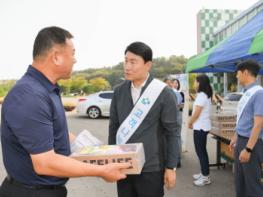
x=241, y=15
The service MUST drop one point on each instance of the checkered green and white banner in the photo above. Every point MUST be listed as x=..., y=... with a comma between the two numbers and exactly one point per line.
x=209, y=22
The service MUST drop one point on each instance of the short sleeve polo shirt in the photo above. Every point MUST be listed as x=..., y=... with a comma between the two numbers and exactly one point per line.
x=33, y=121
x=254, y=107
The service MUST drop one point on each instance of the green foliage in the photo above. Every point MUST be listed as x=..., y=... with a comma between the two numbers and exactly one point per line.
x=99, y=83
x=114, y=75
x=192, y=77
x=172, y=65
x=5, y=86
x=89, y=88
x=232, y=82
x=77, y=84
x=65, y=86
x=92, y=80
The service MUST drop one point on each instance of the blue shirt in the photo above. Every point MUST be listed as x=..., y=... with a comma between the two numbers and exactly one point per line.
x=254, y=107
x=33, y=122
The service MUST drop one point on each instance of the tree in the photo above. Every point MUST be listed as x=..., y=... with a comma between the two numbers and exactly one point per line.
x=115, y=77
x=65, y=86
x=99, y=84
x=89, y=88
x=192, y=77
x=77, y=85
x=5, y=86
x=73, y=85
x=161, y=67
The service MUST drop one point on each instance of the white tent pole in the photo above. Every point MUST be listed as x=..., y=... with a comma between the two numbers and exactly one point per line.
x=225, y=83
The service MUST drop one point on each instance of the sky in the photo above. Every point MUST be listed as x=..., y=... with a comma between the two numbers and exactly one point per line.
x=102, y=29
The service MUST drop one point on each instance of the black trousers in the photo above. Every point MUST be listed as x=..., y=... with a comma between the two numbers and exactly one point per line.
x=248, y=175
x=9, y=189
x=147, y=184
x=200, y=139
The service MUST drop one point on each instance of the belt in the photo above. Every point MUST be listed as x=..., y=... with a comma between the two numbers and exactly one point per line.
x=243, y=137
x=246, y=138
x=14, y=182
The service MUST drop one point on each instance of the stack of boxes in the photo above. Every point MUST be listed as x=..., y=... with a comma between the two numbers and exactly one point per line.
x=223, y=126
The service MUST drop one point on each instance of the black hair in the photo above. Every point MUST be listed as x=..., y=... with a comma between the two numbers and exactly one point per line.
x=178, y=82
x=140, y=49
x=47, y=37
x=204, y=85
x=250, y=65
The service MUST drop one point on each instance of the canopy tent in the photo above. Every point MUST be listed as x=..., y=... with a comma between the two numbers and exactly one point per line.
x=246, y=43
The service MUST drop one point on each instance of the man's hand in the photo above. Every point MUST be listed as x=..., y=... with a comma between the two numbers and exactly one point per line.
x=114, y=171
x=51, y=164
x=232, y=143
x=169, y=178
x=72, y=137
x=244, y=156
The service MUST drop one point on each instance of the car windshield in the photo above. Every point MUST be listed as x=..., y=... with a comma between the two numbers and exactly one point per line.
x=233, y=97
x=107, y=95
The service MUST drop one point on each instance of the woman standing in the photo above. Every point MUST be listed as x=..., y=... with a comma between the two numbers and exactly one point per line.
x=201, y=124
x=176, y=86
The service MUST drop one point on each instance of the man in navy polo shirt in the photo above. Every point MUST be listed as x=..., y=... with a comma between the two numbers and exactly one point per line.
x=34, y=132
x=247, y=140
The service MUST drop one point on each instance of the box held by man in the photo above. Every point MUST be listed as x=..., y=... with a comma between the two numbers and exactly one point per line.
x=104, y=154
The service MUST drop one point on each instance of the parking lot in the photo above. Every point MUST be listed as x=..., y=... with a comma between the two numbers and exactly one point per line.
x=222, y=179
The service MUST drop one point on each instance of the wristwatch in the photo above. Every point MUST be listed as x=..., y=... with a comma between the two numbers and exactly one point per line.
x=174, y=169
x=249, y=150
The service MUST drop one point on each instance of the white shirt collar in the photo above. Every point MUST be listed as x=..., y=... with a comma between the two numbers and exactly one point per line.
x=143, y=84
x=136, y=91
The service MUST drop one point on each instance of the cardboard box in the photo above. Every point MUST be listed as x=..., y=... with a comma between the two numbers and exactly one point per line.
x=224, y=133
x=226, y=152
x=224, y=117
x=223, y=125
x=104, y=154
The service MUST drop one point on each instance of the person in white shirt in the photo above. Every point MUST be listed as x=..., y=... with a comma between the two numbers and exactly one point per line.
x=201, y=124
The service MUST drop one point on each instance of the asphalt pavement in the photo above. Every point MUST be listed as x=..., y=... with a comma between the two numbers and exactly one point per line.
x=222, y=179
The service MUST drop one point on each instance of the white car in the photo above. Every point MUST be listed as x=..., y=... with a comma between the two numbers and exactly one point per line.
x=95, y=105
x=230, y=101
